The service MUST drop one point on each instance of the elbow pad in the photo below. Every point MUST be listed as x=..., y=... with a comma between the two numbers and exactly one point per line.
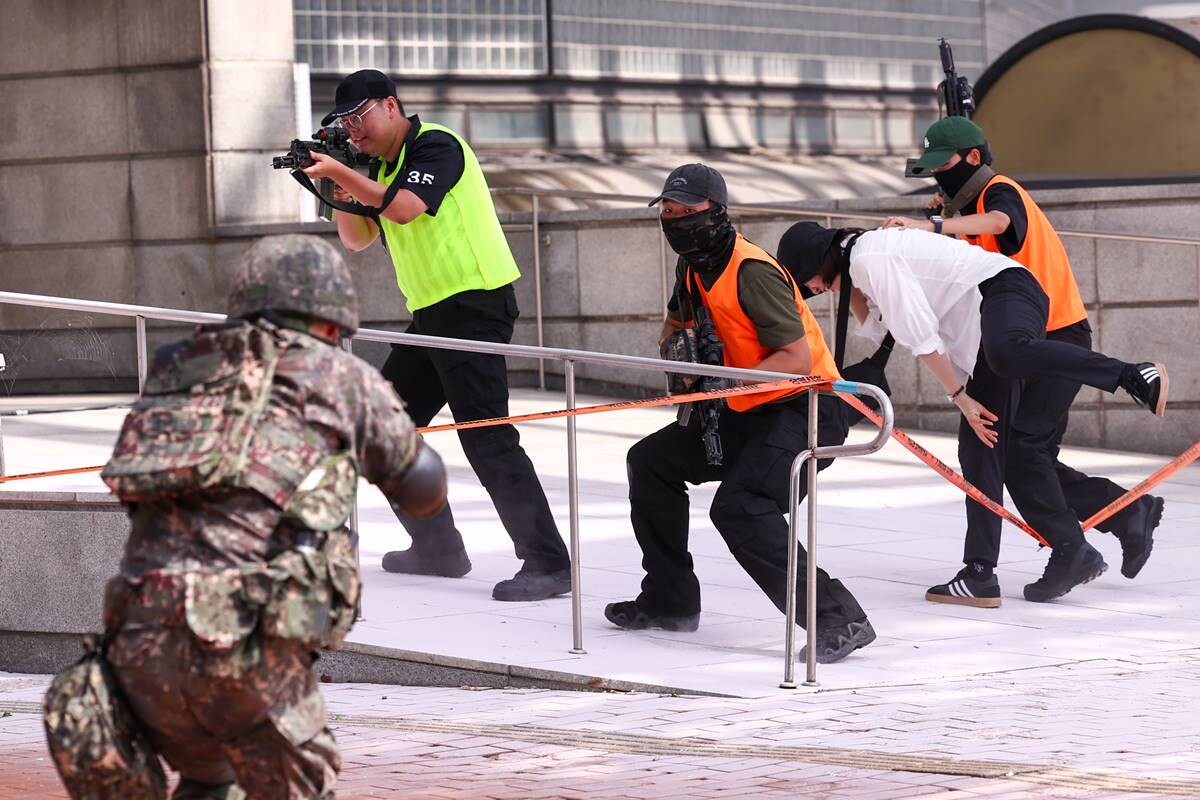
x=421, y=490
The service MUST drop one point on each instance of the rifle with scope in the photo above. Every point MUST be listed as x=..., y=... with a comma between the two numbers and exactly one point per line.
x=335, y=143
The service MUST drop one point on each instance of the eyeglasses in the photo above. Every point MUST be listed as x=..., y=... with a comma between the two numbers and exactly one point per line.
x=353, y=122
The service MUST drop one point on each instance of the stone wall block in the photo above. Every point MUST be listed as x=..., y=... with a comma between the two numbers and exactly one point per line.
x=560, y=276
x=620, y=270
x=1129, y=427
x=247, y=191
x=97, y=273
x=1170, y=335
x=166, y=111
x=68, y=118
x=253, y=106
x=69, y=202
x=38, y=36
x=1142, y=271
x=169, y=198
x=154, y=32
x=241, y=31
x=1082, y=255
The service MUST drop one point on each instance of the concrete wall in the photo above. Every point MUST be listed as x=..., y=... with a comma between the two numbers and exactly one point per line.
x=133, y=131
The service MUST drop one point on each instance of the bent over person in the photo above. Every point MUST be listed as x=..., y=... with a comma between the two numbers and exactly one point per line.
x=454, y=266
x=997, y=214
x=977, y=320
x=762, y=323
x=238, y=467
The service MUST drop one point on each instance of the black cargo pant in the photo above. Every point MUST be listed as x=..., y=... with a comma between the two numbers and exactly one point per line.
x=1014, y=347
x=748, y=509
x=475, y=385
x=1050, y=495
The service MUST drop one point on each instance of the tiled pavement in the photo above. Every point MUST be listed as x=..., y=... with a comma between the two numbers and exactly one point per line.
x=1092, y=696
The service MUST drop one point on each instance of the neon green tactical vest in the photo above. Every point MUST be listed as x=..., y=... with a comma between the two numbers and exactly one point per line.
x=461, y=248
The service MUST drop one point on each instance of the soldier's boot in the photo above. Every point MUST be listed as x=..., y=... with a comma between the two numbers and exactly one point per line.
x=437, y=547
x=194, y=790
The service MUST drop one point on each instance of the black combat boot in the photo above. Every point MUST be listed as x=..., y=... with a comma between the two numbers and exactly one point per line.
x=421, y=561
x=1067, y=568
x=1138, y=538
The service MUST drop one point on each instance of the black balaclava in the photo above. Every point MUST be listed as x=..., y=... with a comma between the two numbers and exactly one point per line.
x=952, y=180
x=704, y=240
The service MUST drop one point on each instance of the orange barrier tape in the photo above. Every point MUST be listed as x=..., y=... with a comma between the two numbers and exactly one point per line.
x=944, y=470
x=49, y=473
x=665, y=400
x=1160, y=475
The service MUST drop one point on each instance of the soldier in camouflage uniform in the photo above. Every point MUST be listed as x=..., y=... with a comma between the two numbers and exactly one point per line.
x=239, y=566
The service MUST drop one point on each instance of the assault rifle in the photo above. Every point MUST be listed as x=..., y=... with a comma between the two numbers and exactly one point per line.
x=335, y=143
x=956, y=97
x=710, y=351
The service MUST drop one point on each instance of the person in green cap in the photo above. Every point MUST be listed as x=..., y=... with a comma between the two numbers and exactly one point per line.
x=996, y=213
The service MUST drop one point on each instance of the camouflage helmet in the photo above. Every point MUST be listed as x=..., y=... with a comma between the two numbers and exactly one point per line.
x=296, y=274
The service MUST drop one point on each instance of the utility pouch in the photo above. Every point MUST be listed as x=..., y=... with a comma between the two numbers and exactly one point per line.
x=314, y=593
x=95, y=741
x=192, y=428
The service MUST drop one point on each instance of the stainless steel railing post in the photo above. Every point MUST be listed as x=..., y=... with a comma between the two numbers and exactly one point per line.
x=810, y=577
x=537, y=289
x=140, y=322
x=348, y=346
x=573, y=506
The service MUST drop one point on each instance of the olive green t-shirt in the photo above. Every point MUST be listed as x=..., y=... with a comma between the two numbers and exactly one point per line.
x=765, y=296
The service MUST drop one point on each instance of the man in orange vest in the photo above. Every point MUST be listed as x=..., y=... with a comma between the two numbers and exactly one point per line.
x=997, y=214
x=762, y=323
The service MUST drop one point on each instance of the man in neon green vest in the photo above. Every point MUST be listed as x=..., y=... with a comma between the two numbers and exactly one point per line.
x=454, y=267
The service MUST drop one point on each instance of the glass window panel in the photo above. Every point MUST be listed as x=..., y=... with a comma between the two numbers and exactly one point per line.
x=812, y=129
x=629, y=127
x=507, y=125
x=775, y=129
x=301, y=26
x=680, y=128
x=853, y=129
x=450, y=117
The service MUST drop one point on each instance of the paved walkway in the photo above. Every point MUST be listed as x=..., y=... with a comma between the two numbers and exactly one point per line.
x=1091, y=696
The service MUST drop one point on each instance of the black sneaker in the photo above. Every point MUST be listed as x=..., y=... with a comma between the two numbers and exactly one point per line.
x=1066, y=569
x=1138, y=539
x=529, y=584
x=414, y=562
x=1147, y=384
x=838, y=641
x=964, y=589
x=626, y=614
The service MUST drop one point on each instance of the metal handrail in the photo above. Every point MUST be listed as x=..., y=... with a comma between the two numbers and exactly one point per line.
x=569, y=357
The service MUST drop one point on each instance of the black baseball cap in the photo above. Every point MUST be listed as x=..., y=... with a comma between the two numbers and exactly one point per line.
x=802, y=250
x=356, y=89
x=694, y=183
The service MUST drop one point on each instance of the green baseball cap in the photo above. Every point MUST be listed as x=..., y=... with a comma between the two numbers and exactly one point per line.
x=944, y=138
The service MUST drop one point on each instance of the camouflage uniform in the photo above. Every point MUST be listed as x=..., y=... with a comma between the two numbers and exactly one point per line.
x=226, y=593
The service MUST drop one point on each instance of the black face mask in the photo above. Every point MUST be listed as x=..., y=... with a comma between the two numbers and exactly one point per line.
x=952, y=180
x=704, y=239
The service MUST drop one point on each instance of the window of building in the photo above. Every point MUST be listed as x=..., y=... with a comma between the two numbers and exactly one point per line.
x=508, y=126
x=812, y=130
x=775, y=129
x=578, y=126
x=680, y=128
x=629, y=127
x=855, y=130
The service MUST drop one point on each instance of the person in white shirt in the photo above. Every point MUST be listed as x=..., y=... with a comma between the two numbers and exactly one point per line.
x=977, y=320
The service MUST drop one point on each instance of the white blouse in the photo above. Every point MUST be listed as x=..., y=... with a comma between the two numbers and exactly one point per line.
x=924, y=288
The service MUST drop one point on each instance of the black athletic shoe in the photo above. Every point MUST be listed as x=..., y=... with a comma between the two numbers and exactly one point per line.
x=1138, y=539
x=414, y=562
x=626, y=614
x=1147, y=384
x=964, y=589
x=529, y=584
x=1066, y=570
x=838, y=641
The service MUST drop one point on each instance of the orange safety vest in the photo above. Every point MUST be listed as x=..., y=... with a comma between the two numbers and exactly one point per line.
x=1043, y=254
x=737, y=331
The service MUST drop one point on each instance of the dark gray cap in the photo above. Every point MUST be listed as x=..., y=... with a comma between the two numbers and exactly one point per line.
x=694, y=183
